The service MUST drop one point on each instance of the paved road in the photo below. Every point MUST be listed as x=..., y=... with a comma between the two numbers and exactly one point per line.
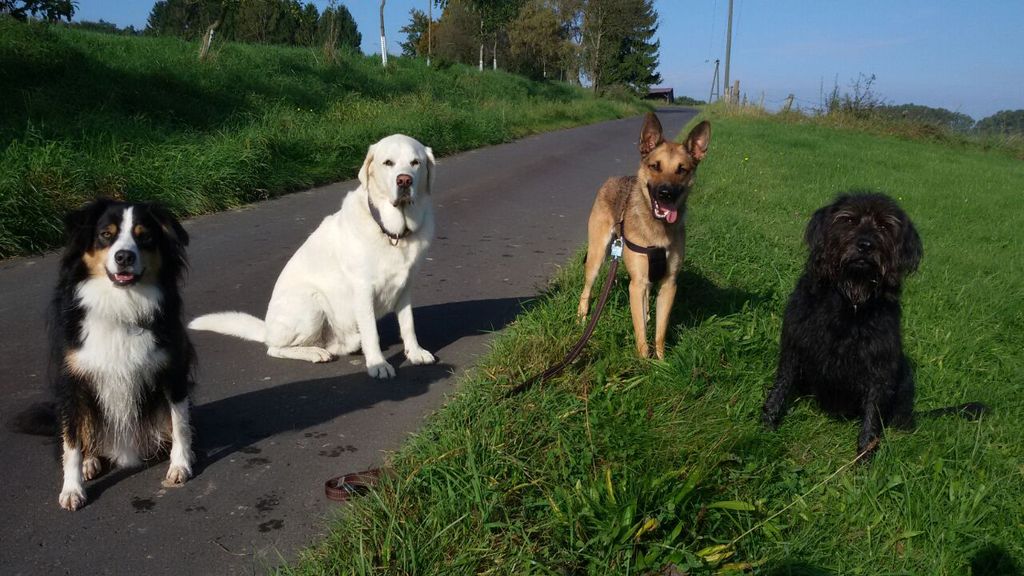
x=269, y=432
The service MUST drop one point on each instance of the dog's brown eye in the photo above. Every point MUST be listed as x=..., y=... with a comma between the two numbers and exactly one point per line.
x=106, y=234
x=656, y=166
x=415, y=162
x=680, y=170
x=389, y=162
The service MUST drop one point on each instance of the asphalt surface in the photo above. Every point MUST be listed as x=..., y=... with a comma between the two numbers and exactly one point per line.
x=269, y=432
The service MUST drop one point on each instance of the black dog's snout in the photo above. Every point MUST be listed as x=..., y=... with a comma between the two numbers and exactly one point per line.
x=865, y=245
x=124, y=258
x=404, y=181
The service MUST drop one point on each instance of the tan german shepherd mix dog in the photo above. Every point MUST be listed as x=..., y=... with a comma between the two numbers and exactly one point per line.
x=649, y=212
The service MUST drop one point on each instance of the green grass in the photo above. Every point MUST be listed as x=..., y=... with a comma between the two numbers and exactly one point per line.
x=87, y=114
x=623, y=466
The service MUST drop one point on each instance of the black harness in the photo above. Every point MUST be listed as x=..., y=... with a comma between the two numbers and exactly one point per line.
x=393, y=238
x=657, y=260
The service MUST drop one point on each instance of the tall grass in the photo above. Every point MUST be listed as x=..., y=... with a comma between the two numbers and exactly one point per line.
x=627, y=466
x=88, y=114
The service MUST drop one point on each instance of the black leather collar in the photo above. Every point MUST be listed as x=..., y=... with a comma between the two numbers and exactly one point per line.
x=380, y=224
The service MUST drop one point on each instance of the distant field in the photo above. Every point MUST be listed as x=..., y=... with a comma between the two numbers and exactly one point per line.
x=87, y=114
x=623, y=466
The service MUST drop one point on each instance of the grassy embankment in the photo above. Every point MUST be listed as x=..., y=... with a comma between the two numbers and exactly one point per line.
x=622, y=465
x=88, y=114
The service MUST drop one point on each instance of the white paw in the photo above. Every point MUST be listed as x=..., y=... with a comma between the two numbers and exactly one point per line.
x=380, y=369
x=420, y=356
x=319, y=355
x=91, y=468
x=72, y=498
x=177, y=475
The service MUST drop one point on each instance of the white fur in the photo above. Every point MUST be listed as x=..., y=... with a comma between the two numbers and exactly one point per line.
x=72, y=494
x=181, y=445
x=125, y=241
x=119, y=355
x=348, y=273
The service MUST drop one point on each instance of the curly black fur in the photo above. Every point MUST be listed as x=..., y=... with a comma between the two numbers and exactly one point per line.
x=841, y=337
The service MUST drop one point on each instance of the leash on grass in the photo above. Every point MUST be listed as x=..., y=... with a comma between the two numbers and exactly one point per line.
x=616, y=255
x=344, y=487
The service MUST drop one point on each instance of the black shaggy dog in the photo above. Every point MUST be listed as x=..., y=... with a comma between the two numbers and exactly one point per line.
x=121, y=358
x=841, y=331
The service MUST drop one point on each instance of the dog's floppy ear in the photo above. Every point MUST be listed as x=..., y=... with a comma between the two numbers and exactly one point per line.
x=814, y=236
x=650, y=134
x=698, y=140
x=79, y=225
x=911, y=250
x=172, y=229
x=364, y=171
x=431, y=168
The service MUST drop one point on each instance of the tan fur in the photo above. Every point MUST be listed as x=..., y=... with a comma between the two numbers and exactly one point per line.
x=627, y=199
x=96, y=260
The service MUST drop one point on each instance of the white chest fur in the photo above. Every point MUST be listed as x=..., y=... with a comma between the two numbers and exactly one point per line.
x=119, y=353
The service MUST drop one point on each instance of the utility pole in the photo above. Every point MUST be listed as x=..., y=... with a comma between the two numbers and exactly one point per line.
x=384, y=40
x=728, y=46
x=715, y=86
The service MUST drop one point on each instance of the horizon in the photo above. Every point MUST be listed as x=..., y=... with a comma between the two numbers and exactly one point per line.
x=935, y=54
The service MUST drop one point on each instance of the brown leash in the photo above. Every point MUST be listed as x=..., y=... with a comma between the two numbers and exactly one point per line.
x=342, y=488
x=587, y=333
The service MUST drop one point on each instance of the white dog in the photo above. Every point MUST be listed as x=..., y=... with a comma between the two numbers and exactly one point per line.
x=353, y=269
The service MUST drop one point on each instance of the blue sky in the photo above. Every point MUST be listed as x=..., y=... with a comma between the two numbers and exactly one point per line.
x=967, y=57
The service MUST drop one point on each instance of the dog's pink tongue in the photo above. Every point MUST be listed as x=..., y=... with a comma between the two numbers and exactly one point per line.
x=671, y=215
x=123, y=276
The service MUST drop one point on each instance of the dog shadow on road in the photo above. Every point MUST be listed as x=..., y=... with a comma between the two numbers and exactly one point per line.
x=226, y=426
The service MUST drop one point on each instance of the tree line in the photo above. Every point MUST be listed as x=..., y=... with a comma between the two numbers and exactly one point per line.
x=606, y=43
x=256, y=21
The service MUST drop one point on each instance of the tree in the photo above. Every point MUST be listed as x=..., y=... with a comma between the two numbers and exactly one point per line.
x=457, y=32
x=536, y=40
x=617, y=43
x=49, y=10
x=415, y=33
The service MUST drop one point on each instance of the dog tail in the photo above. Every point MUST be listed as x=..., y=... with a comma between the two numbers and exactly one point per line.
x=968, y=411
x=39, y=419
x=237, y=324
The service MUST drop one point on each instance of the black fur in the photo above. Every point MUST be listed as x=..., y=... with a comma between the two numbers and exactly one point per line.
x=841, y=338
x=75, y=398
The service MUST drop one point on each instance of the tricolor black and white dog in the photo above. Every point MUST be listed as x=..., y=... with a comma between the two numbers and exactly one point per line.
x=121, y=357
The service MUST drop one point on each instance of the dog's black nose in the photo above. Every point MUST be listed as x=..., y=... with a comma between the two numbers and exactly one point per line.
x=124, y=258
x=404, y=180
x=865, y=245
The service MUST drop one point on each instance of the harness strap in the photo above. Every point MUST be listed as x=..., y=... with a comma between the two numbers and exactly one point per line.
x=657, y=260
x=380, y=224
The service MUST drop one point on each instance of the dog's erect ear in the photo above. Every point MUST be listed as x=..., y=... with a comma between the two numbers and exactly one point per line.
x=431, y=168
x=911, y=249
x=650, y=134
x=698, y=140
x=364, y=171
x=79, y=225
x=170, y=226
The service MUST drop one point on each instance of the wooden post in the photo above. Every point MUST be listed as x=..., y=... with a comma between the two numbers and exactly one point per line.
x=788, y=104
